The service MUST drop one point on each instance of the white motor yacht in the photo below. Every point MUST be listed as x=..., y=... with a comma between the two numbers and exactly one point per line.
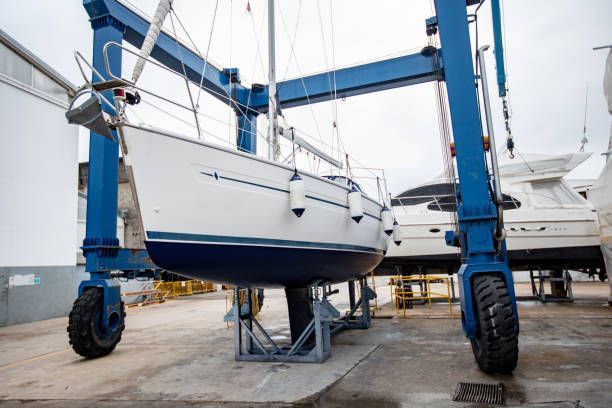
x=549, y=225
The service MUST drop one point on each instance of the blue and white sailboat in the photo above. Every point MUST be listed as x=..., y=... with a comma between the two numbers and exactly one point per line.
x=219, y=214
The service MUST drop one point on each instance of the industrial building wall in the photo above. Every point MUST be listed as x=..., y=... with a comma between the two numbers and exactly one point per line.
x=38, y=205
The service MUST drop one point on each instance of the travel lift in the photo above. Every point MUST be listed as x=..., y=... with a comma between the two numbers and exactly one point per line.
x=488, y=306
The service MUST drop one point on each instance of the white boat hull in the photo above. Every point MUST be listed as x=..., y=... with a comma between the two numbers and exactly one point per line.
x=424, y=234
x=556, y=236
x=222, y=215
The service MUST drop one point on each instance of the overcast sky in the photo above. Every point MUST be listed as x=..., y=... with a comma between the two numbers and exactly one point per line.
x=549, y=60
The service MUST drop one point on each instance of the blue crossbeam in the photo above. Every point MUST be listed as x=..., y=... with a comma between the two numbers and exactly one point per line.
x=357, y=80
x=167, y=51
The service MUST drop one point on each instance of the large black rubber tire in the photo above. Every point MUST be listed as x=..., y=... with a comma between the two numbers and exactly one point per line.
x=82, y=322
x=496, y=344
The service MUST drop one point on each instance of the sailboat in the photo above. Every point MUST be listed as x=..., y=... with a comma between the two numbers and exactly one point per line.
x=548, y=224
x=219, y=214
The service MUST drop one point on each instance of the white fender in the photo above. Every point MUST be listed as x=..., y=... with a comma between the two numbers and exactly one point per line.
x=355, y=202
x=397, y=233
x=387, y=220
x=297, y=195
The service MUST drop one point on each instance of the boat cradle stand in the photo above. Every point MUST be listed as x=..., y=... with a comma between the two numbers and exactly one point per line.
x=253, y=343
x=560, y=285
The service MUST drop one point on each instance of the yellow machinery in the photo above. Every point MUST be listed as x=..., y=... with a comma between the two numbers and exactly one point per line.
x=183, y=288
x=408, y=289
x=164, y=290
x=256, y=301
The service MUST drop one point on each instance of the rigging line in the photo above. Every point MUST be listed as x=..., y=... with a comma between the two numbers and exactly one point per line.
x=258, y=56
x=379, y=190
x=195, y=47
x=297, y=65
x=292, y=41
x=133, y=111
x=444, y=128
x=237, y=105
x=183, y=120
x=524, y=161
x=324, y=43
x=258, y=48
x=352, y=157
x=185, y=74
x=335, y=93
x=212, y=28
x=257, y=53
x=584, y=125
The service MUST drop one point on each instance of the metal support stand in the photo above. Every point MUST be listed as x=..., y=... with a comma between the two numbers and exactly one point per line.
x=538, y=286
x=253, y=343
x=351, y=320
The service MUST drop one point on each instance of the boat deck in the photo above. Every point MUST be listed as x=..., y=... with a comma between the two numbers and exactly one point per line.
x=180, y=354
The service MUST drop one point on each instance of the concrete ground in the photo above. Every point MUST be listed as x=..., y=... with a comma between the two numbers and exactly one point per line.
x=180, y=353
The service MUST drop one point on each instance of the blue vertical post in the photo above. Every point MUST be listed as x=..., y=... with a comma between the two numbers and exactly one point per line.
x=476, y=204
x=498, y=41
x=476, y=210
x=246, y=139
x=102, y=184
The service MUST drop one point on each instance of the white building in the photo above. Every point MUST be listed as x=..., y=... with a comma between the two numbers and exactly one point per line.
x=38, y=184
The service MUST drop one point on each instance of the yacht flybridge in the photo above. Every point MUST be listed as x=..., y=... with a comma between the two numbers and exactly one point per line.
x=547, y=223
x=216, y=213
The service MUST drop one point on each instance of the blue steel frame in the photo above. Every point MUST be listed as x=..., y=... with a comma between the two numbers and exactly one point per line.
x=101, y=243
x=476, y=210
x=113, y=21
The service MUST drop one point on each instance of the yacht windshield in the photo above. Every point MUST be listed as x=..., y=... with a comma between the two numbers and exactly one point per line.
x=424, y=194
x=440, y=197
x=555, y=192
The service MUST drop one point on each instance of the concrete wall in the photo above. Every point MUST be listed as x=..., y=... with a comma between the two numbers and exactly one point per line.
x=38, y=180
x=23, y=300
x=38, y=205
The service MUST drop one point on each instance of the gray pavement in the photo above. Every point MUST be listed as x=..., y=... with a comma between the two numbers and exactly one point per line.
x=180, y=354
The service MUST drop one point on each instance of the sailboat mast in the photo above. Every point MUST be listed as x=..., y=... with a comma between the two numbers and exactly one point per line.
x=272, y=108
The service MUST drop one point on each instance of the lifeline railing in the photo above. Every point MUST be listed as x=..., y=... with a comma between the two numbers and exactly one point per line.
x=299, y=141
x=403, y=295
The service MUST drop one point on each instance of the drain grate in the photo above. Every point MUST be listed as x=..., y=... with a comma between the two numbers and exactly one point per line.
x=480, y=393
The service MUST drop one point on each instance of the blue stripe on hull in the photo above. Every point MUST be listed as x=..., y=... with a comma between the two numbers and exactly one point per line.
x=259, y=266
x=224, y=239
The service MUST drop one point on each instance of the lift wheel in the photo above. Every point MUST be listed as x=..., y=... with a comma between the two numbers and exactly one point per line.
x=495, y=345
x=85, y=329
